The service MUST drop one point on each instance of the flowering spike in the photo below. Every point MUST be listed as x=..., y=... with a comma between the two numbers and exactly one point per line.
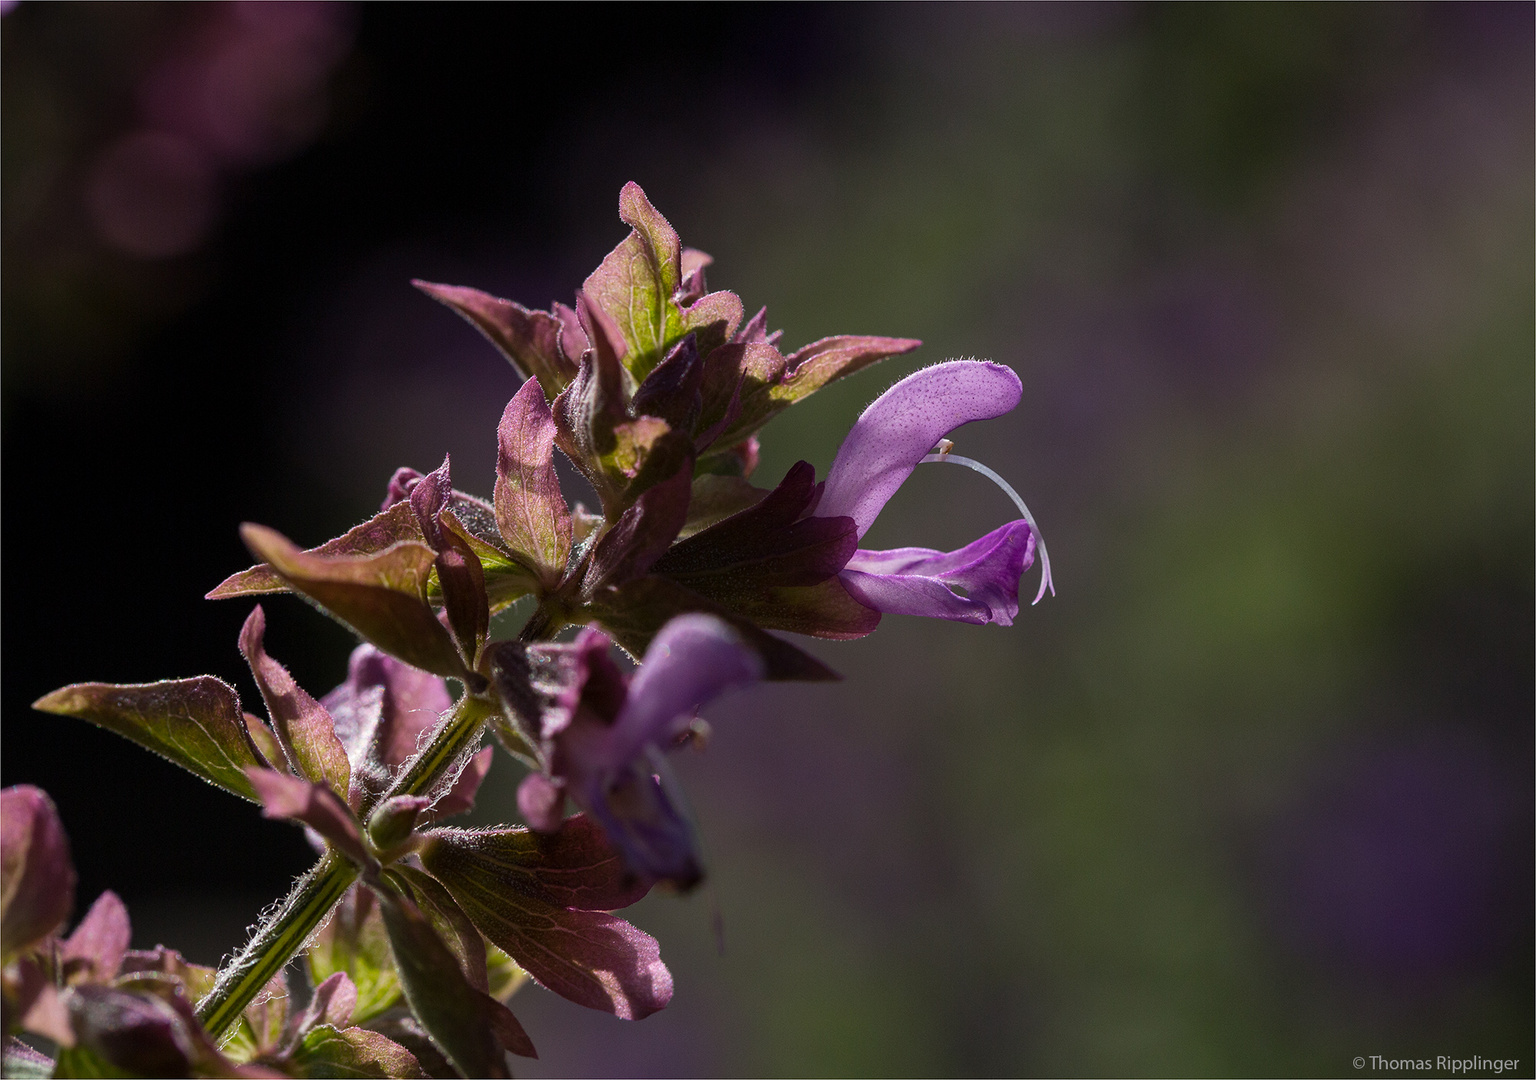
x=655, y=390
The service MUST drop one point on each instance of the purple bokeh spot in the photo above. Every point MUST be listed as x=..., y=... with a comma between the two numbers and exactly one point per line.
x=1402, y=865
x=153, y=194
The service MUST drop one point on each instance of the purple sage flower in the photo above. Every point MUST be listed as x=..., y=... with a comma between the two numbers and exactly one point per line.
x=889, y=440
x=604, y=731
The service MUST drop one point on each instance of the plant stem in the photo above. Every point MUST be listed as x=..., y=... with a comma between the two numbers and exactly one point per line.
x=542, y=625
x=284, y=932
x=275, y=941
x=460, y=732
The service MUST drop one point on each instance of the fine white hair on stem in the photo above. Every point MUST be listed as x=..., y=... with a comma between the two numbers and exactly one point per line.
x=1045, y=558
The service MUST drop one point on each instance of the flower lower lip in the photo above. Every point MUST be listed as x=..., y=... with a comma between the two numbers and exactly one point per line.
x=1046, y=581
x=1008, y=489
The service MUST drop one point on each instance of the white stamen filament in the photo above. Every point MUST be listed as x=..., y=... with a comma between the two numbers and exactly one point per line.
x=1045, y=558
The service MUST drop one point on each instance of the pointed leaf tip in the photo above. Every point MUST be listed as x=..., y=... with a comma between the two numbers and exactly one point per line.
x=379, y=596
x=303, y=727
x=637, y=283
x=197, y=723
x=394, y=523
x=314, y=805
x=100, y=940
x=530, y=340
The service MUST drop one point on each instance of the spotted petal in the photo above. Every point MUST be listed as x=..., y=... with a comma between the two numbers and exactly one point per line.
x=903, y=425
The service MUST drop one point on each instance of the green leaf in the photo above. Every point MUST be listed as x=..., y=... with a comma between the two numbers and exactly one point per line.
x=472, y=1028
x=266, y=742
x=576, y=866
x=303, y=727
x=714, y=318
x=832, y=358
x=738, y=382
x=716, y=497
x=635, y=284
x=37, y=878
x=640, y=536
x=648, y=453
x=317, y=806
x=507, y=579
x=197, y=723
x=769, y=383
x=528, y=339
x=80, y=1061
x=353, y=1051
x=195, y=979
x=504, y=975
x=774, y=566
x=260, y=1029
x=530, y=509
x=355, y=941
x=379, y=533
x=636, y=611
x=450, y=922
x=825, y=610
x=517, y=887
x=588, y=410
x=381, y=597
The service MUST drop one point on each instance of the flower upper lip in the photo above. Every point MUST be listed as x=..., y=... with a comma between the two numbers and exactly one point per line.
x=903, y=425
x=886, y=443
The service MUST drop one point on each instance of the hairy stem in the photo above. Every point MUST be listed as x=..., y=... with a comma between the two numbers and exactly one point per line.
x=275, y=941
x=285, y=931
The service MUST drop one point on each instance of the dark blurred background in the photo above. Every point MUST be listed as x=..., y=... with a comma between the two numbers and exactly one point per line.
x=1253, y=795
